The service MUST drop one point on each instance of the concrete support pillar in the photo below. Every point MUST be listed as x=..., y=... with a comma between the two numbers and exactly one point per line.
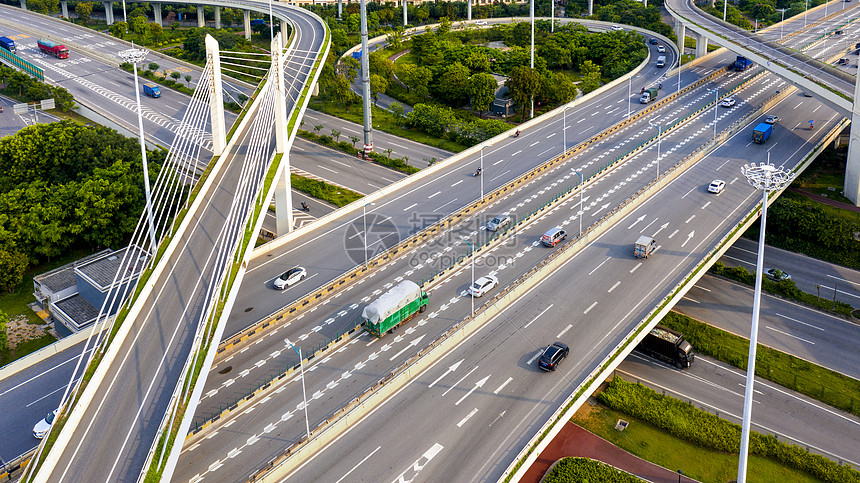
x=469, y=9
x=339, y=9
x=218, y=18
x=247, y=24
x=701, y=46
x=156, y=11
x=23, y=4
x=108, y=12
x=64, y=8
x=852, y=168
x=283, y=195
x=216, y=97
x=201, y=19
x=590, y=7
x=680, y=31
x=405, y=21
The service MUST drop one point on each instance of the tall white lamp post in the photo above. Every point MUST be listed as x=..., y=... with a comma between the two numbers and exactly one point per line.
x=364, y=219
x=716, y=107
x=581, y=181
x=767, y=178
x=304, y=395
x=782, y=21
x=805, y=11
x=482, y=172
x=659, y=138
x=134, y=56
x=472, y=297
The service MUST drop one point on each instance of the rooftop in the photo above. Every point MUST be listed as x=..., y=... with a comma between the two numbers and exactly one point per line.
x=101, y=271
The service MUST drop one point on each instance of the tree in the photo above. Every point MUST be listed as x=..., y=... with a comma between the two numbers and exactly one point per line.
x=453, y=85
x=336, y=135
x=524, y=84
x=380, y=65
x=157, y=31
x=84, y=10
x=141, y=28
x=353, y=139
x=174, y=26
x=590, y=76
x=318, y=128
x=482, y=91
x=397, y=109
x=377, y=84
x=13, y=265
x=175, y=75
x=119, y=29
x=395, y=38
x=188, y=80
x=152, y=66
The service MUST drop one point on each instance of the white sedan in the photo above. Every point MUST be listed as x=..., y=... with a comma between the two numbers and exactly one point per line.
x=716, y=186
x=728, y=102
x=290, y=277
x=42, y=427
x=483, y=285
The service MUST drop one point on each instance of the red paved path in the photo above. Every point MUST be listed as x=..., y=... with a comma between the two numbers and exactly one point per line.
x=576, y=441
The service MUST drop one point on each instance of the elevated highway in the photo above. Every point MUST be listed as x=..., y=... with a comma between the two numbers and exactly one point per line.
x=832, y=86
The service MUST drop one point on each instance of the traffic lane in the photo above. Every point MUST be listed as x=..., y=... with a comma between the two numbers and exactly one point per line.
x=809, y=274
x=11, y=123
x=32, y=393
x=341, y=169
x=560, y=174
x=400, y=147
x=452, y=181
x=720, y=388
x=818, y=337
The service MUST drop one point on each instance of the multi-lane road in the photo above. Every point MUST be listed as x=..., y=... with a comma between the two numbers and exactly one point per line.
x=452, y=193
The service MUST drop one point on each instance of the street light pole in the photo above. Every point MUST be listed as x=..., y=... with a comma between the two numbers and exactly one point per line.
x=581, y=181
x=716, y=106
x=782, y=21
x=725, y=7
x=659, y=138
x=805, y=11
x=564, y=129
x=134, y=56
x=482, y=172
x=532, y=64
x=472, y=297
x=304, y=394
x=364, y=219
x=767, y=178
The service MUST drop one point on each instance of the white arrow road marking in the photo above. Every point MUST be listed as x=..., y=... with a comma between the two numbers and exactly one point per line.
x=689, y=237
x=461, y=380
x=500, y=416
x=635, y=222
x=477, y=385
x=662, y=227
x=411, y=344
x=417, y=466
x=450, y=370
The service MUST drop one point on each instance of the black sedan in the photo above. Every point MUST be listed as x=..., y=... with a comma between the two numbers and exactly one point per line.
x=552, y=356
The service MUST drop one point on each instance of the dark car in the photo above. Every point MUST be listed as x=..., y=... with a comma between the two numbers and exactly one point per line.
x=652, y=41
x=552, y=356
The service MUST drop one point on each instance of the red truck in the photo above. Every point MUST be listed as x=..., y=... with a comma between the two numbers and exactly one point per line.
x=57, y=50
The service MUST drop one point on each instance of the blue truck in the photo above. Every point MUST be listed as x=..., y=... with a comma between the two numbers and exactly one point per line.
x=356, y=55
x=257, y=21
x=151, y=90
x=8, y=44
x=741, y=63
x=762, y=132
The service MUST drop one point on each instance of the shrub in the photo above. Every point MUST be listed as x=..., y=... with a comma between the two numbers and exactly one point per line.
x=585, y=470
x=709, y=431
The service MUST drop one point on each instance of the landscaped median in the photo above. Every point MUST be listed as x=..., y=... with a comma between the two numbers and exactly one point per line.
x=830, y=387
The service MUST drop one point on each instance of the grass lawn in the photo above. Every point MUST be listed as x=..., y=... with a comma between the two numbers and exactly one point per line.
x=661, y=448
x=384, y=121
x=24, y=348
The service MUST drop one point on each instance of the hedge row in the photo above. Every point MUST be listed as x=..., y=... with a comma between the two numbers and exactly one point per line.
x=323, y=191
x=784, y=288
x=709, y=431
x=831, y=388
x=399, y=164
x=585, y=470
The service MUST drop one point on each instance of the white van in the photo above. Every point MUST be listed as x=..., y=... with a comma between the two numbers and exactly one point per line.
x=661, y=61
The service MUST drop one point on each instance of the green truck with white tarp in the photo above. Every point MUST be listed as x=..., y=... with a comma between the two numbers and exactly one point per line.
x=394, y=307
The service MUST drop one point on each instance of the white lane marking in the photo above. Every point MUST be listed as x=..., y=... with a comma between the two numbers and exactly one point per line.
x=413, y=205
x=468, y=416
x=327, y=169
x=597, y=267
x=434, y=194
x=534, y=358
x=569, y=326
x=590, y=307
x=614, y=286
x=359, y=464
x=538, y=316
x=461, y=380
x=799, y=322
x=499, y=389
x=790, y=335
